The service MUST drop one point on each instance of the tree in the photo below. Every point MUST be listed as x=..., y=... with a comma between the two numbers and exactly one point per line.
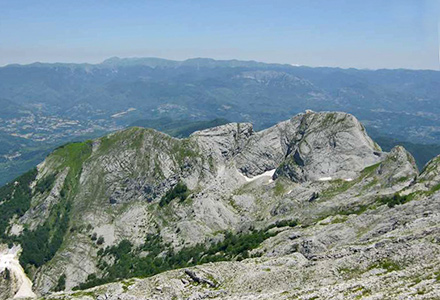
x=100, y=240
x=7, y=275
x=61, y=285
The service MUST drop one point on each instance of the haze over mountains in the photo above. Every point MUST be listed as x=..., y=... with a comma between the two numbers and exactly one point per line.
x=45, y=105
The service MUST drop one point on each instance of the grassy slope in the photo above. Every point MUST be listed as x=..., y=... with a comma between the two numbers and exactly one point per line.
x=34, y=153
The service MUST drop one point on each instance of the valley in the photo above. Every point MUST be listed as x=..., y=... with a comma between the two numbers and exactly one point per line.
x=47, y=105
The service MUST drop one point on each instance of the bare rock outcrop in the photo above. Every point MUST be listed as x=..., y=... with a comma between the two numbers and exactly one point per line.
x=328, y=146
x=317, y=183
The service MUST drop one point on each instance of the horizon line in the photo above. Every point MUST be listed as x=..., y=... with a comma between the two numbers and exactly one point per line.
x=102, y=62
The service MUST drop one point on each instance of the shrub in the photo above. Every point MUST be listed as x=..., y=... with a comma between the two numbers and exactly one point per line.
x=61, y=284
x=283, y=223
x=160, y=257
x=179, y=191
x=394, y=200
x=45, y=184
x=7, y=275
x=100, y=240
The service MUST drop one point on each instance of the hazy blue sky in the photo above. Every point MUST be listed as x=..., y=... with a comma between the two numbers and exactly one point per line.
x=362, y=34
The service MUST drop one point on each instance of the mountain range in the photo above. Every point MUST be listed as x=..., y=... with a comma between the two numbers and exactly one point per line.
x=46, y=105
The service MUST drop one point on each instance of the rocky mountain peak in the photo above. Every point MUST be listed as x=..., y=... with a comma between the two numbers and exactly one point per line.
x=398, y=168
x=328, y=146
x=311, y=146
x=314, y=191
x=224, y=141
x=429, y=177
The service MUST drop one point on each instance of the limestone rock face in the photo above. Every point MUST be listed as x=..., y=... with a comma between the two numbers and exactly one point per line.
x=328, y=146
x=266, y=149
x=224, y=141
x=430, y=175
x=380, y=254
x=320, y=170
x=398, y=168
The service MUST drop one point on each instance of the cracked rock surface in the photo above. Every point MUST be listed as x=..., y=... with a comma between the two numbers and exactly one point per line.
x=367, y=222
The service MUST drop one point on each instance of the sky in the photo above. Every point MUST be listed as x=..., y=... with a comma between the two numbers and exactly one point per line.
x=369, y=34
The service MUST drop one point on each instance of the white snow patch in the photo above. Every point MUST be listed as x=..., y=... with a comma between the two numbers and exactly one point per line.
x=325, y=179
x=265, y=174
x=9, y=259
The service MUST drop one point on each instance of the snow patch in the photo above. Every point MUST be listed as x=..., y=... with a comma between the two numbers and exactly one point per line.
x=265, y=174
x=325, y=179
x=9, y=260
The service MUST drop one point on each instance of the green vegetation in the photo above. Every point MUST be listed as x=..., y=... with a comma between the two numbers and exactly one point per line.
x=100, y=240
x=338, y=220
x=61, y=284
x=437, y=275
x=7, y=275
x=73, y=155
x=283, y=223
x=279, y=189
x=15, y=199
x=160, y=257
x=358, y=210
x=360, y=292
x=349, y=272
x=434, y=189
x=131, y=137
x=386, y=264
x=395, y=199
x=45, y=184
x=180, y=191
x=353, y=271
x=342, y=213
x=41, y=244
x=340, y=186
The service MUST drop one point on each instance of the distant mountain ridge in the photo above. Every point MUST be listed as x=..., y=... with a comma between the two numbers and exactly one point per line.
x=178, y=128
x=51, y=104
